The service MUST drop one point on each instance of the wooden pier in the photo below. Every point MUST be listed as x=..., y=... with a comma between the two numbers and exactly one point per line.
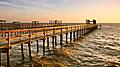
x=9, y=38
x=35, y=24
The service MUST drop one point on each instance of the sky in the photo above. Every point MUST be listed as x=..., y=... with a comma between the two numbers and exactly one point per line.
x=104, y=11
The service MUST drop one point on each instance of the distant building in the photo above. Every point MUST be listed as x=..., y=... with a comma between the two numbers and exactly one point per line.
x=55, y=22
x=16, y=22
x=88, y=21
x=35, y=22
x=94, y=21
x=2, y=21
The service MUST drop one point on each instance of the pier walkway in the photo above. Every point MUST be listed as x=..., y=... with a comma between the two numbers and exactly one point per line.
x=9, y=38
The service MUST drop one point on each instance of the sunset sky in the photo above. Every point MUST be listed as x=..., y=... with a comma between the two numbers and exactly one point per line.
x=67, y=10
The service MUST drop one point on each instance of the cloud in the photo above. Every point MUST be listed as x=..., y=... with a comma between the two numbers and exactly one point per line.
x=38, y=4
x=9, y=4
x=27, y=3
x=48, y=5
x=67, y=0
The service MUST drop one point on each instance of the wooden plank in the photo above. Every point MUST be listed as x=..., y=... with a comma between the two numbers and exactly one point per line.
x=14, y=38
x=3, y=39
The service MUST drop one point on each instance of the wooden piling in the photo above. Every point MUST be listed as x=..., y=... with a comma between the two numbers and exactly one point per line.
x=48, y=43
x=82, y=31
x=79, y=31
x=0, y=58
x=55, y=40
x=22, y=52
x=74, y=36
x=2, y=35
x=70, y=37
x=29, y=45
x=77, y=34
x=44, y=42
x=66, y=37
x=37, y=46
x=8, y=40
x=8, y=58
x=5, y=34
x=43, y=46
x=61, y=39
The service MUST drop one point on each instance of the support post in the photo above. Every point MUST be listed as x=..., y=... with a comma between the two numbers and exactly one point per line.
x=77, y=34
x=44, y=42
x=8, y=40
x=48, y=43
x=82, y=31
x=37, y=46
x=29, y=44
x=74, y=35
x=66, y=37
x=55, y=40
x=85, y=30
x=43, y=46
x=2, y=35
x=0, y=58
x=61, y=38
x=79, y=31
x=8, y=58
x=71, y=35
x=22, y=52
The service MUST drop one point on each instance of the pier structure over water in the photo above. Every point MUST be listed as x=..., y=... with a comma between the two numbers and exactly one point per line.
x=9, y=38
x=34, y=24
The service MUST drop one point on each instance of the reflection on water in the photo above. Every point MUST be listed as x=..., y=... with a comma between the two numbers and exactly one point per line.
x=100, y=48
